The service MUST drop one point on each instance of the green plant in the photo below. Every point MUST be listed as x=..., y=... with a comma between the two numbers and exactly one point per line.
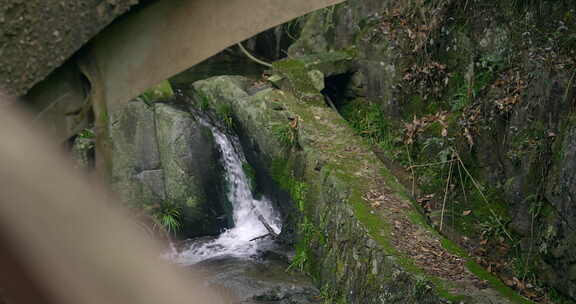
x=553, y=296
x=493, y=227
x=250, y=174
x=224, y=112
x=307, y=232
x=204, y=103
x=326, y=294
x=299, y=261
x=524, y=268
x=287, y=135
x=298, y=194
x=421, y=287
x=368, y=120
x=467, y=90
x=169, y=215
x=86, y=133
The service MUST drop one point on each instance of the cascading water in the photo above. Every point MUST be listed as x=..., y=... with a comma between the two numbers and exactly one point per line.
x=238, y=241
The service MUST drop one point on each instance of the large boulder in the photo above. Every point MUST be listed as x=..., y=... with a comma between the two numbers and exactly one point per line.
x=136, y=175
x=162, y=156
x=190, y=166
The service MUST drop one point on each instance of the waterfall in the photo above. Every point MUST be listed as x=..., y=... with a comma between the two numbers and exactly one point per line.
x=237, y=241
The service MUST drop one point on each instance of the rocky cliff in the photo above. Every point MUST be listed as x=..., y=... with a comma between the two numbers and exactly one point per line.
x=475, y=100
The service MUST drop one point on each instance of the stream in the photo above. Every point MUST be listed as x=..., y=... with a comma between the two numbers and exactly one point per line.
x=240, y=240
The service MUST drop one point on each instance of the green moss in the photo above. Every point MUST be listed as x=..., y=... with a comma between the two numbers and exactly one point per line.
x=496, y=283
x=282, y=174
x=224, y=112
x=300, y=83
x=380, y=231
x=161, y=91
x=250, y=174
x=299, y=72
x=471, y=265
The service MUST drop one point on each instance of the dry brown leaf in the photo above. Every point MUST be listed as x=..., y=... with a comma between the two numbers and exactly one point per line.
x=468, y=137
x=444, y=132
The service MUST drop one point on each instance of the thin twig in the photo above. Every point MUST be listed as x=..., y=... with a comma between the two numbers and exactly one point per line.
x=412, y=171
x=260, y=237
x=330, y=103
x=432, y=164
x=267, y=226
x=264, y=63
x=477, y=186
x=446, y=195
x=569, y=87
x=462, y=185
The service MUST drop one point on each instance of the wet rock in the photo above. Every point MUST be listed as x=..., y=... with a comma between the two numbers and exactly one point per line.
x=189, y=161
x=153, y=180
x=162, y=156
x=259, y=282
x=134, y=151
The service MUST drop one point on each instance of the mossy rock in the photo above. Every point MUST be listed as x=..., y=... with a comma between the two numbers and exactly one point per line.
x=304, y=76
x=161, y=91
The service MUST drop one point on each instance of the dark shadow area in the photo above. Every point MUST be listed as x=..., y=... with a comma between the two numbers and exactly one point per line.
x=336, y=89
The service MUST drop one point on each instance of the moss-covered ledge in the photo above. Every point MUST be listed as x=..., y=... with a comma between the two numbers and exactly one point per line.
x=304, y=76
x=360, y=237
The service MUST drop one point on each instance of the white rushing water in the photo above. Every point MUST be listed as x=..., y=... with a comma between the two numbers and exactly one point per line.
x=237, y=241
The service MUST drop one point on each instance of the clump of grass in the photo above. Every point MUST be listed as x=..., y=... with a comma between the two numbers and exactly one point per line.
x=204, y=103
x=370, y=122
x=225, y=114
x=299, y=261
x=286, y=134
x=169, y=216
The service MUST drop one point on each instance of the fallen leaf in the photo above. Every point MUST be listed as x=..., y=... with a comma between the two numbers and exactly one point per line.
x=508, y=282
